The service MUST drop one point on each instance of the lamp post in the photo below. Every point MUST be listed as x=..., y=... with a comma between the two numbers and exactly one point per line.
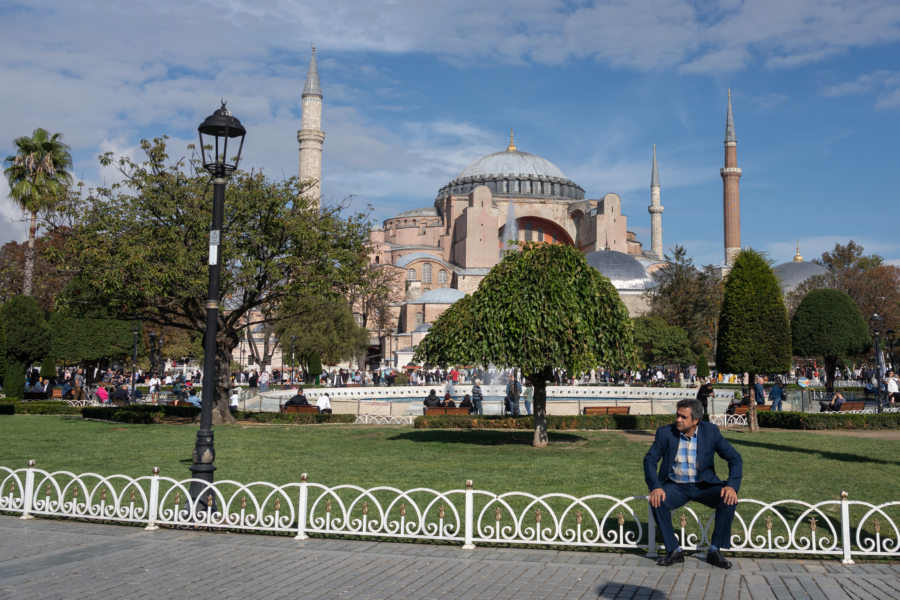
x=293, y=341
x=218, y=129
x=136, y=329
x=889, y=334
x=875, y=322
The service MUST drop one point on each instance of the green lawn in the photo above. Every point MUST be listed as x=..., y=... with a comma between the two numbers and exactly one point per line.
x=777, y=465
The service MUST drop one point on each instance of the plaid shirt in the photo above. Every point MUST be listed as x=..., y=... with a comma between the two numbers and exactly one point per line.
x=685, y=469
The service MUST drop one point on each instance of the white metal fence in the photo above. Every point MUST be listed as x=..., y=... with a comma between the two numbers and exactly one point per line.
x=841, y=527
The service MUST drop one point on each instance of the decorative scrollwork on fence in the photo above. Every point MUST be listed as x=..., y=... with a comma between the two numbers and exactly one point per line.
x=728, y=420
x=383, y=420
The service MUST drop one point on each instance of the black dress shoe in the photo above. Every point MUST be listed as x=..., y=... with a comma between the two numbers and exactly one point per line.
x=715, y=558
x=676, y=556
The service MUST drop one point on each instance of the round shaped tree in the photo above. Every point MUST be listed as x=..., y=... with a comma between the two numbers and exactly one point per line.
x=828, y=324
x=540, y=308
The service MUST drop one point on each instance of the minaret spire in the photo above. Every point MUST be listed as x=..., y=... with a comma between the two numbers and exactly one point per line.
x=311, y=136
x=731, y=193
x=655, y=209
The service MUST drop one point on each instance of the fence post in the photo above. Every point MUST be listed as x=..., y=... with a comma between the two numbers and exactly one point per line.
x=153, y=509
x=301, y=511
x=468, y=516
x=846, y=540
x=651, y=532
x=28, y=492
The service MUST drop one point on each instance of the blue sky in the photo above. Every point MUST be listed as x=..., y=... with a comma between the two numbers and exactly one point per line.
x=415, y=91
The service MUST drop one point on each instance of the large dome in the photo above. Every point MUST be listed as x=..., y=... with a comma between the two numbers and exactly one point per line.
x=623, y=270
x=512, y=162
x=792, y=274
x=516, y=174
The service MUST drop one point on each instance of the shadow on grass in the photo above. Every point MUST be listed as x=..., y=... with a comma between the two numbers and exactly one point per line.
x=483, y=437
x=841, y=456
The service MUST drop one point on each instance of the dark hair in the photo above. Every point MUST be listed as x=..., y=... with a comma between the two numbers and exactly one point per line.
x=694, y=405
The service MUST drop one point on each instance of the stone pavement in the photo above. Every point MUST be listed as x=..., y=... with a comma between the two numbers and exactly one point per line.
x=57, y=560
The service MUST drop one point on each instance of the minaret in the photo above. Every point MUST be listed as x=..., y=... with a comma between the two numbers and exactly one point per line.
x=655, y=209
x=311, y=135
x=731, y=193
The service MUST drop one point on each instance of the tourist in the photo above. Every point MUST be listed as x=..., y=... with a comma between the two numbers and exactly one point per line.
x=263, y=381
x=194, y=399
x=431, y=400
x=102, y=394
x=837, y=401
x=448, y=401
x=758, y=391
x=892, y=386
x=528, y=395
x=513, y=393
x=323, y=403
x=477, y=398
x=254, y=382
x=78, y=392
x=704, y=394
x=119, y=395
x=234, y=399
x=686, y=472
x=298, y=399
x=467, y=403
x=154, y=388
x=776, y=394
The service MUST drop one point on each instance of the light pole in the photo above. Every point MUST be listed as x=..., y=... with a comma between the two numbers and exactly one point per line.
x=218, y=128
x=875, y=322
x=136, y=330
x=293, y=340
x=889, y=334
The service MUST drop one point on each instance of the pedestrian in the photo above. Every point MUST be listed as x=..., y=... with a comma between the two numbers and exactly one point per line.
x=528, y=396
x=776, y=394
x=477, y=398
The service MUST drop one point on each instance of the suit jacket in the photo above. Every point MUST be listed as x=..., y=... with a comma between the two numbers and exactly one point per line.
x=709, y=443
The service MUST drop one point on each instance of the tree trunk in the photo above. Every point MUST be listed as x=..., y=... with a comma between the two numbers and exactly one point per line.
x=751, y=412
x=28, y=278
x=539, y=406
x=221, y=404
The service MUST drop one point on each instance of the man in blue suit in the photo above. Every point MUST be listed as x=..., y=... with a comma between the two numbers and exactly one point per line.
x=687, y=449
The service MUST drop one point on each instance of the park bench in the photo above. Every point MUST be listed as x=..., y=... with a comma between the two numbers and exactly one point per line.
x=34, y=395
x=297, y=408
x=607, y=410
x=179, y=403
x=57, y=393
x=854, y=405
x=446, y=410
x=744, y=408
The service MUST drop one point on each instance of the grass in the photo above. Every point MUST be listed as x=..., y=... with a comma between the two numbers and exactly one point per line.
x=777, y=465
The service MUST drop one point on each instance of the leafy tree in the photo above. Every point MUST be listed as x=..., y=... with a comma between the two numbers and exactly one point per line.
x=688, y=297
x=323, y=327
x=90, y=342
x=47, y=281
x=754, y=334
x=27, y=339
x=141, y=247
x=829, y=324
x=38, y=179
x=658, y=343
x=702, y=366
x=539, y=308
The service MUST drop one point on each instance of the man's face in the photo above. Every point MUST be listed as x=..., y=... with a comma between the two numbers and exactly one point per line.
x=684, y=421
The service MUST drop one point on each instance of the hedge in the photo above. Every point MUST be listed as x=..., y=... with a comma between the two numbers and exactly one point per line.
x=800, y=420
x=293, y=418
x=139, y=414
x=38, y=407
x=554, y=422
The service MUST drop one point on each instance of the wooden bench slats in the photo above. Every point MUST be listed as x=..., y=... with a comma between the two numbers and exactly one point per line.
x=297, y=408
x=446, y=410
x=607, y=410
x=744, y=408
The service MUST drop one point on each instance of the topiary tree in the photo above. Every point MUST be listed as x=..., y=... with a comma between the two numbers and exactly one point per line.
x=829, y=324
x=702, y=365
x=754, y=333
x=539, y=308
x=659, y=343
x=27, y=339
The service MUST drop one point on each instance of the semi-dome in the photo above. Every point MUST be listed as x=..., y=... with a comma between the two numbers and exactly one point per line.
x=623, y=270
x=514, y=173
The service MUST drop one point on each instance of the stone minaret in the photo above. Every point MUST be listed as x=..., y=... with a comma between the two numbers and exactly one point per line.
x=311, y=135
x=655, y=209
x=731, y=193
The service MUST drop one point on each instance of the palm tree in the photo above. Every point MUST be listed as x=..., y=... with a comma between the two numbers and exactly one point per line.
x=37, y=178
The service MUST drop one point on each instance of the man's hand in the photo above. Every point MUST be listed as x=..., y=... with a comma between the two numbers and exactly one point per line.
x=729, y=495
x=658, y=496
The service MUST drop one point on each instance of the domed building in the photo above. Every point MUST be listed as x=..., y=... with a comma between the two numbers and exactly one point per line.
x=446, y=249
x=791, y=274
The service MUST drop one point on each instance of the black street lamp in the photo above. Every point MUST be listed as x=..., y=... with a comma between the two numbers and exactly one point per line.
x=875, y=323
x=218, y=129
x=889, y=334
x=136, y=329
x=293, y=340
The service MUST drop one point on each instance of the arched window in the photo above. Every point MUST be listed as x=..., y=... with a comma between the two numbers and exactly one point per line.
x=442, y=277
x=410, y=274
x=377, y=259
x=426, y=273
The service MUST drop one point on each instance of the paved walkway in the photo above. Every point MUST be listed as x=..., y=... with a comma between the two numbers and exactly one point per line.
x=66, y=559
